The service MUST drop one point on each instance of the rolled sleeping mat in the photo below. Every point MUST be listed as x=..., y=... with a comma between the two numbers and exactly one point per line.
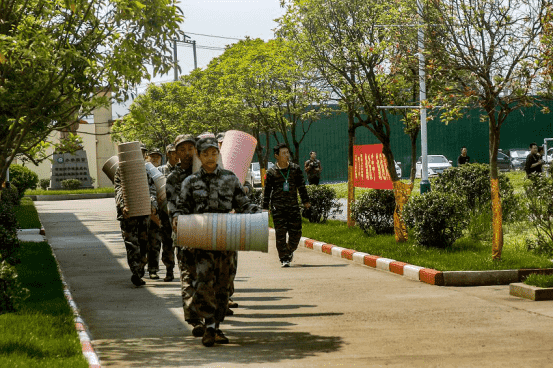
x=134, y=182
x=224, y=231
x=110, y=167
x=237, y=151
x=159, y=181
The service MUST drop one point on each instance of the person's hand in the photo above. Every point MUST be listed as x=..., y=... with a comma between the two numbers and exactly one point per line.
x=246, y=189
x=174, y=224
x=307, y=205
x=153, y=210
x=125, y=212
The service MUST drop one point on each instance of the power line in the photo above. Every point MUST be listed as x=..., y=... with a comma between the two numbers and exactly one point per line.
x=227, y=38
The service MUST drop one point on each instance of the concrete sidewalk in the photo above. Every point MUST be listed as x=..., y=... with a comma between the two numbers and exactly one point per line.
x=322, y=312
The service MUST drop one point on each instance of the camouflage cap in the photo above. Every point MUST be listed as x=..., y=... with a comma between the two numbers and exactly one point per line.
x=183, y=138
x=205, y=143
x=170, y=148
x=154, y=151
x=220, y=137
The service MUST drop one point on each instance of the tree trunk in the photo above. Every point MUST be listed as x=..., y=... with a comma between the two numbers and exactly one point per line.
x=497, y=234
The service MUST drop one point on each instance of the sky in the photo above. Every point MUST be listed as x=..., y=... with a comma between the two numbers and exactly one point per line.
x=232, y=18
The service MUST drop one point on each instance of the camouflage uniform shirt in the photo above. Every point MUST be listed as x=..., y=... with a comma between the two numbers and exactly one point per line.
x=173, y=187
x=118, y=189
x=274, y=193
x=217, y=192
x=167, y=169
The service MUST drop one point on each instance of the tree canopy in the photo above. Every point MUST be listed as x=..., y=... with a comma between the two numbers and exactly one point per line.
x=58, y=58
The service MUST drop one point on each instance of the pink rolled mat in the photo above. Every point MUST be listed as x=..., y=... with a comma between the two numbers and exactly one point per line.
x=237, y=151
x=224, y=231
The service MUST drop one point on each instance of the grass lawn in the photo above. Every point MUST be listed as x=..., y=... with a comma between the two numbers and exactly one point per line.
x=41, y=334
x=27, y=215
x=76, y=191
x=465, y=255
x=516, y=178
x=543, y=281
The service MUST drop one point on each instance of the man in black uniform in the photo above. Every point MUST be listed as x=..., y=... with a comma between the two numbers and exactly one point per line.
x=463, y=158
x=282, y=184
x=313, y=169
x=534, y=162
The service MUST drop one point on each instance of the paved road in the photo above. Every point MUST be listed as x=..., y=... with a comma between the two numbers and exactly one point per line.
x=322, y=312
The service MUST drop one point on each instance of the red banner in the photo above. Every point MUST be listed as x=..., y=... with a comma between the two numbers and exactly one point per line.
x=370, y=167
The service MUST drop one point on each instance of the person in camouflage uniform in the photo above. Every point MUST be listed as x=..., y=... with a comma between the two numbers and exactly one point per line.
x=155, y=157
x=134, y=229
x=212, y=190
x=282, y=183
x=172, y=160
x=185, y=148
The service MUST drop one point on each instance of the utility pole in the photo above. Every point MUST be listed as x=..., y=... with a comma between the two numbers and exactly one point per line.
x=175, y=62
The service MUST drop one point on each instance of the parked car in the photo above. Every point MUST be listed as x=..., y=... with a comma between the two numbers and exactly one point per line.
x=398, y=169
x=518, y=157
x=255, y=176
x=435, y=163
x=504, y=163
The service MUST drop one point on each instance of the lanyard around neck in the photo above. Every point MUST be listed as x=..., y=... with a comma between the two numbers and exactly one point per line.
x=288, y=172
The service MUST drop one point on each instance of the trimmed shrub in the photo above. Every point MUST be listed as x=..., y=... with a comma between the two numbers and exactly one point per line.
x=538, y=204
x=44, y=183
x=10, y=195
x=9, y=243
x=12, y=294
x=71, y=184
x=438, y=218
x=324, y=203
x=374, y=211
x=472, y=183
x=23, y=178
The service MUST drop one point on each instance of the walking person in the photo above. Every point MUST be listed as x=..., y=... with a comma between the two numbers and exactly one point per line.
x=211, y=190
x=283, y=183
x=185, y=149
x=172, y=160
x=463, y=158
x=533, y=162
x=134, y=230
x=313, y=169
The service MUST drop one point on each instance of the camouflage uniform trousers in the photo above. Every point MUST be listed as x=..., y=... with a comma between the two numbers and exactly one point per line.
x=205, y=283
x=135, y=236
x=159, y=238
x=287, y=220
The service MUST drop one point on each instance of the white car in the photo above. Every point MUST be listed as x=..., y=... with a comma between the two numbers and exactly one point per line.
x=436, y=164
x=398, y=169
x=254, y=172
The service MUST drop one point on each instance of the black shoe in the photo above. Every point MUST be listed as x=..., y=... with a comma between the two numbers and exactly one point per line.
x=154, y=276
x=233, y=304
x=198, y=330
x=137, y=281
x=209, y=337
x=229, y=312
x=285, y=264
x=141, y=273
x=220, y=338
x=168, y=277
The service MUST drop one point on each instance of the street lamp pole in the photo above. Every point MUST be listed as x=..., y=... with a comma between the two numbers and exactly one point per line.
x=425, y=185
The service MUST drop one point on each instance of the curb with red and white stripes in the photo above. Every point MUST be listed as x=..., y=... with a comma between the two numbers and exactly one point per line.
x=80, y=326
x=422, y=274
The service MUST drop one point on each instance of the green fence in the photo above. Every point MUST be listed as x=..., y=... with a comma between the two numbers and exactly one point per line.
x=329, y=138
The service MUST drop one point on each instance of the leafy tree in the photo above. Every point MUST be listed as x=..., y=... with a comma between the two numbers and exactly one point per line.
x=59, y=59
x=492, y=48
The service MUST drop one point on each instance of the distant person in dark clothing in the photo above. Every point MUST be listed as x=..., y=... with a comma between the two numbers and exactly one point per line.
x=534, y=162
x=283, y=183
x=463, y=158
x=313, y=169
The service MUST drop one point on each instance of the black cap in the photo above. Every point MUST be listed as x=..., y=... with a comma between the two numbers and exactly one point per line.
x=205, y=143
